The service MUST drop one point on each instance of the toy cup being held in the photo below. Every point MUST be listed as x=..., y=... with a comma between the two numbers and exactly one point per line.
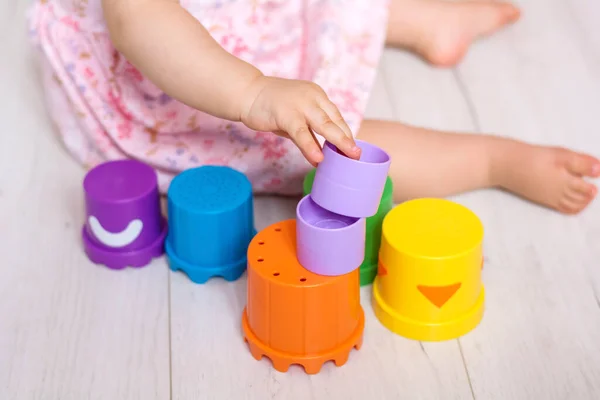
x=368, y=268
x=124, y=226
x=328, y=243
x=351, y=187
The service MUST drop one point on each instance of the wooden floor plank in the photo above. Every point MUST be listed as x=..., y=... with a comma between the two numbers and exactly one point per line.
x=69, y=329
x=542, y=322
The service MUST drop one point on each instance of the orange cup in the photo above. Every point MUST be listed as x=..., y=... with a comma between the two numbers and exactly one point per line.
x=294, y=316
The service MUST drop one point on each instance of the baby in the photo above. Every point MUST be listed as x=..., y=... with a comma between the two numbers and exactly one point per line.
x=258, y=85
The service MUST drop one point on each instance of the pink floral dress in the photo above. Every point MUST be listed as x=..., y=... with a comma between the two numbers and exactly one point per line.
x=105, y=109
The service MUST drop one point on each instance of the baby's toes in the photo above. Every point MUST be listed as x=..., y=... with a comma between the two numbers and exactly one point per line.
x=573, y=204
x=580, y=187
x=509, y=12
x=583, y=165
x=577, y=195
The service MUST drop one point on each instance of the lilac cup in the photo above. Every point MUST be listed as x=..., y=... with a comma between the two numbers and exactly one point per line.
x=351, y=187
x=327, y=243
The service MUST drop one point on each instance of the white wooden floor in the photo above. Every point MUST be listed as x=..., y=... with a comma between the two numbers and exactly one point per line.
x=73, y=331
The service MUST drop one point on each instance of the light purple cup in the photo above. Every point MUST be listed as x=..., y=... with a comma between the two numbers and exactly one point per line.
x=351, y=187
x=328, y=243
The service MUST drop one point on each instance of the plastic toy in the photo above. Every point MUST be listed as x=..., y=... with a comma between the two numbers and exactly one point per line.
x=211, y=223
x=350, y=187
x=429, y=284
x=328, y=243
x=124, y=226
x=294, y=316
x=303, y=276
x=368, y=269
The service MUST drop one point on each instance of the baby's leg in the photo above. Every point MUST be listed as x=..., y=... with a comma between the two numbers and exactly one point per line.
x=441, y=31
x=428, y=163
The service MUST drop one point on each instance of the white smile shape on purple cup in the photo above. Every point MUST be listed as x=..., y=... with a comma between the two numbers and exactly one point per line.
x=116, y=239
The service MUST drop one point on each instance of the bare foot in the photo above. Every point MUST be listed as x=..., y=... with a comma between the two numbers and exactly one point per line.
x=441, y=31
x=428, y=163
x=551, y=176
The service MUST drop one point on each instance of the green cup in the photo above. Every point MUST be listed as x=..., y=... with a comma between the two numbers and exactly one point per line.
x=368, y=269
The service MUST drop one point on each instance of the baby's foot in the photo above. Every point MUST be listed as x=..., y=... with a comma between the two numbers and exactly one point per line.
x=441, y=31
x=553, y=177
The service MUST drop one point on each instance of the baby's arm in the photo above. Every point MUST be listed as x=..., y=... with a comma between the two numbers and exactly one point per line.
x=172, y=49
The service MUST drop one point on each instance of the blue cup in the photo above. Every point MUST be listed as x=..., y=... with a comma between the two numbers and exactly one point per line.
x=211, y=223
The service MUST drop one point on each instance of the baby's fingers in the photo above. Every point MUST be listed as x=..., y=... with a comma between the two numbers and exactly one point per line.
x=334, y=114
x=320, y=122
x=301, y=135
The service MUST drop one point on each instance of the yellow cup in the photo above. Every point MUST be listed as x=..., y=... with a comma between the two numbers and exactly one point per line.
x=429, y=285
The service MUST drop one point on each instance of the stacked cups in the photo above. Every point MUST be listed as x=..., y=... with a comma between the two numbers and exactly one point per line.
x=303, y=276
x=294, y=316
x=368, y=268
x=331, y=220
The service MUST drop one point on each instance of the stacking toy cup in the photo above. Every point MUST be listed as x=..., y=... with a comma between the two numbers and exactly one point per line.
x=368, y=268
x=211, y=223
x=429, y=284
x=328, y=243
x=351, y=187
x=124, y=226
x=294, y=316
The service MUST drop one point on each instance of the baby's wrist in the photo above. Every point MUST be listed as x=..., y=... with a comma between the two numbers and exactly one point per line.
x=249, y=94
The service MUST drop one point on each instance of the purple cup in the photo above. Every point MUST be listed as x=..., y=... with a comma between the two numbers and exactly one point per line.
x=124, y=225
x=328, y=243
x=351, y=187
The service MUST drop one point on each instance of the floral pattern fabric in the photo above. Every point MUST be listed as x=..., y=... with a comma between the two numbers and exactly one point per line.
x=105, y=109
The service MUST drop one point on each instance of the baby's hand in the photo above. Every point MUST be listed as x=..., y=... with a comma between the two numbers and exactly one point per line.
x=295, y=109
